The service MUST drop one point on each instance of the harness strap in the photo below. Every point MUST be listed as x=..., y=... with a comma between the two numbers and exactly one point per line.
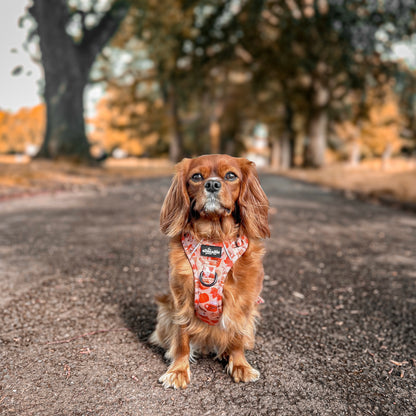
x=210, y=264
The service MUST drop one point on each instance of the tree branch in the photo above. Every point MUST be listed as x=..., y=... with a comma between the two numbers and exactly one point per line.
x=95, y=39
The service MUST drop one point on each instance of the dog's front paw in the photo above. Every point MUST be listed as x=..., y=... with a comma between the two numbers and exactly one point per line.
x=177, y=378
x=242, y=372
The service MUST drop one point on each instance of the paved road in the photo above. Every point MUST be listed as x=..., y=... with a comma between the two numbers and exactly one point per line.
x=78, y=272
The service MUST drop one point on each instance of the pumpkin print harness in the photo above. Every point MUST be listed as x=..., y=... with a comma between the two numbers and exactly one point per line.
x=210, y=264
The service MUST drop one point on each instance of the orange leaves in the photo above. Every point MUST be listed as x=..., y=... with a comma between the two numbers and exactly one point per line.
x=125, y=121
x=378, y=130
x=383, y=126
x=21, y=129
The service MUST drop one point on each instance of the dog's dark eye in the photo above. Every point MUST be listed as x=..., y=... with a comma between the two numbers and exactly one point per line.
x=197, y=177
x=230, y=176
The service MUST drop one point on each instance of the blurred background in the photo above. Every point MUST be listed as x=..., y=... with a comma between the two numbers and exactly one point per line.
x=320, y=90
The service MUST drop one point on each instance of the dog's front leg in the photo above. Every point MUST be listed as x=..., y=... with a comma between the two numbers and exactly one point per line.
x=179, y=373
x=238, y=367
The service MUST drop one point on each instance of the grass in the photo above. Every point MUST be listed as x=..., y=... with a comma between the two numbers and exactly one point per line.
x=396, y=182
x=21, y=177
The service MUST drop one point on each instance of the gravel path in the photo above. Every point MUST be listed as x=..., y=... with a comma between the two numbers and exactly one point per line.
x=78, y=272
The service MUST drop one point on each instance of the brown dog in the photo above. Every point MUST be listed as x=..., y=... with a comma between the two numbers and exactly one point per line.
x=216, y=214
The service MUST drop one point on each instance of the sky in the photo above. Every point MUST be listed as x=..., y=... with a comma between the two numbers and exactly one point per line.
x=21, y=90
x=406, y=51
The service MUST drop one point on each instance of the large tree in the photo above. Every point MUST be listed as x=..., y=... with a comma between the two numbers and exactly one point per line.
x=70, y=37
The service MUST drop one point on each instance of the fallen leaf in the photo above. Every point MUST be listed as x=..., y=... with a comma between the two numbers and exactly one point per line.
x=399, y=363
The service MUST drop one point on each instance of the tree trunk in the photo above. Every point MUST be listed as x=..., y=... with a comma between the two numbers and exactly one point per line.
x=386, y=156
x=355, y=152
x=288, y=139
x=281, y=154
x=215, y=136
x=275, y=158
x=176, y=143
x=285, y=150
x=230, y=147
x=316, y=138
x=215, y=127
x=317, y=126
x=65, y=130
x=66, y=66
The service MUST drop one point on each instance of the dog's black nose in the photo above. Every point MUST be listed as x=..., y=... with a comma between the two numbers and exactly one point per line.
x=212, y=185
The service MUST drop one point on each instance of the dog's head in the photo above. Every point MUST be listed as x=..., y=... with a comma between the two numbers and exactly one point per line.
x=212, y=187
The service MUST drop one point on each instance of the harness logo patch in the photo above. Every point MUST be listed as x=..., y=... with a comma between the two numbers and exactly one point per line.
x=211, y=251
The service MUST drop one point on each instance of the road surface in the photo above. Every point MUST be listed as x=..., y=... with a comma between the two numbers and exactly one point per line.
x=79, y=270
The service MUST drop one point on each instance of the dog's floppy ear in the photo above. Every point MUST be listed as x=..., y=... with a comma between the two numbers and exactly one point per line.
x=174, y=214
x=253, y=205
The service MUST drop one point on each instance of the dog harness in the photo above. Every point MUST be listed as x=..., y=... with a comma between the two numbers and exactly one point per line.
x=210, y=264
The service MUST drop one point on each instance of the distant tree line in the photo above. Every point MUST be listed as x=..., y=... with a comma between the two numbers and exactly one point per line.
x=187, y=77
